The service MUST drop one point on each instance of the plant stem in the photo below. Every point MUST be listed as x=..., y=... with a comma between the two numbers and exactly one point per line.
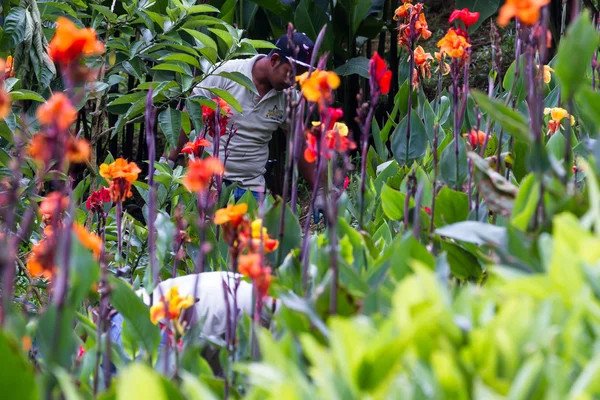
x=364, y=150
x=152, y=207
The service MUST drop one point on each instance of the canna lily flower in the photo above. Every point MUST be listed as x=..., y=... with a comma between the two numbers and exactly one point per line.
x=121, y=175
x=403, y=11
x=53, y=206
x=89, y=240
x=97, y=199
x=40, y=148
x=195, y=148
x=476, y=138
x=201, y=172
x=57, y=111
x=427, y=210
x=526, y=11
x=440, y=57
x=258, y=235
x=547, y=74
x=318, y=86
x=379, y=73
x=40, y=262
x=422, y=61
x=7, y=67
x=208, y=117
x=557, y=114
x=453, y=44
x=336, y=140
x=251, y=266
x=422, y=28
x=78, y=150
x=231, y=215
x=5, y=104
x=468, y=18
x=346, y=183
x=70, y=43
x=169, y=308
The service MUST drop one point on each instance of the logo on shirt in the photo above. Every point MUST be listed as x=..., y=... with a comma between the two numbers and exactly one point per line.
x=276, y=114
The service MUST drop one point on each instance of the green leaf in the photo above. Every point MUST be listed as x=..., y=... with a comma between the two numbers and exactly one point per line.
x=139, y=381
x=276, y=7
x=486, y=8
x=356, y=65
x=194, y=110
x=478, y=233
x=183, y=58
x=358, y=14
x=405, y=153
x=519, y=90
x=228, y=97
x=512, y=121
x=110, y=16
x=575, y=52
x=23, y=94
x=170, y=67
x=14, y=28
x=202, y=8
x=203, y=38
x=259, y=44
x=448, y=164
x=225, y=36
x=57, y=351
x=17, y=378
x=450, y=207
x=240, y=78
x=128, y=98
x=463, y=264
x=137, y=315
x=392, y=202
x=170, y=123
x=526, y=202
x=291, y=231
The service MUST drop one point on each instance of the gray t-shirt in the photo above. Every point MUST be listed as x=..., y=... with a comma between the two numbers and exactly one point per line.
x=249, y=148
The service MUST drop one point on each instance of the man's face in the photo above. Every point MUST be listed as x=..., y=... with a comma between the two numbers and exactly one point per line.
x=281, y=73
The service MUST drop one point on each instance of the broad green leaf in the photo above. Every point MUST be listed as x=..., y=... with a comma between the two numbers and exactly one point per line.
x=137, y=315
x=358, y=13
x=203, y=38
x=518, y=86
x=392, y=202
x=128, y=98
x=60, y=350
x=14, y=28
x=138, y=381
x=23, y=94
x=194, y=110
x=241, y=79
x=575, y=52
x=450, y=207
x=110, y=16
x=17, y=378
x=225, y=95
x=406, y=151
x=473, y=232
x=170, y=67
x=170, y=123
x=202, y=8
x=224, y=35
x=259, y=44
x=278, y=8
x=291, y=231
x=526, y=202
x=356, y=65
x=463, y=264
x=512, y=121
x=183, y=58
x=448, y=164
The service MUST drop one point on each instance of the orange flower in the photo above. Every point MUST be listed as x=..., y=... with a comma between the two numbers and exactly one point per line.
x=70, y=43
x=41, y=260
x=78, y=150
x=121, y=175
x=318, y=86
x=422, y=28
x=5, y=103
x=195, y=148
x=40, y=148
x=250, y=266
x=453, y=44
x=169, y=307
x=53, y=206
x=336, y=140
x=57, y=111
x=403, y=11
x=422, y=61
x=445, y=67
x=8, y=67
x=208, y=117
x=88, y=240
x=526, y=11
x=200, y=173
x=232, y=214
x=476, y=138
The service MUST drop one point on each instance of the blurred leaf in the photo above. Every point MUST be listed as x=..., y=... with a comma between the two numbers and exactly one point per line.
x=139, y=381
x=448, y=164
x=526, y=202
x=17, y=378
x=450, y=207
x=23, y=94
x=137, y=315
x=356, y=65
x=575, y=52
x=291, y=230
x=498, y=193
x=169, y=121
x=518, y=86
x=56, y=350
x=463, y=264
x=478, y=233
x=512, y=121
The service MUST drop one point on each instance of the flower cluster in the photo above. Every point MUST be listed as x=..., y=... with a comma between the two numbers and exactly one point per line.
x=526, y=11
x=97, y=199
x=318, y=86
x=121, y=175
x=251, y=265
x=195, y=148
x=169, y=308
x=557, y=114
x=336, y=137
x=408, y=15
x=475, y=138
x=454, y=44
x=70, y=43
x=208, y=117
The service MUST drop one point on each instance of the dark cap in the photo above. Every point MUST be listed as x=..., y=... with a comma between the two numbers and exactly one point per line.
x=287, y=48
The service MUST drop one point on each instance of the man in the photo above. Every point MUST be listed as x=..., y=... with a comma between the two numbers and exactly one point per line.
x=261, y=114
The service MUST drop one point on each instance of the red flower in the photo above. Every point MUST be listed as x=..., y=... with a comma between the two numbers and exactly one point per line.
x=196, y=148
x=427, y=210
x=468, y=18
x=97, y=199
x=346, y=183
x=208, y=116
x=80, y=352
x=379, y=72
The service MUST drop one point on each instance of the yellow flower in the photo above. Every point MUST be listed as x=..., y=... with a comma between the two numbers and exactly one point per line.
x=169, y=307
x=318, y=86
x=453, y=44
x=231, y=214
x=557, y=114
x=547, y=74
